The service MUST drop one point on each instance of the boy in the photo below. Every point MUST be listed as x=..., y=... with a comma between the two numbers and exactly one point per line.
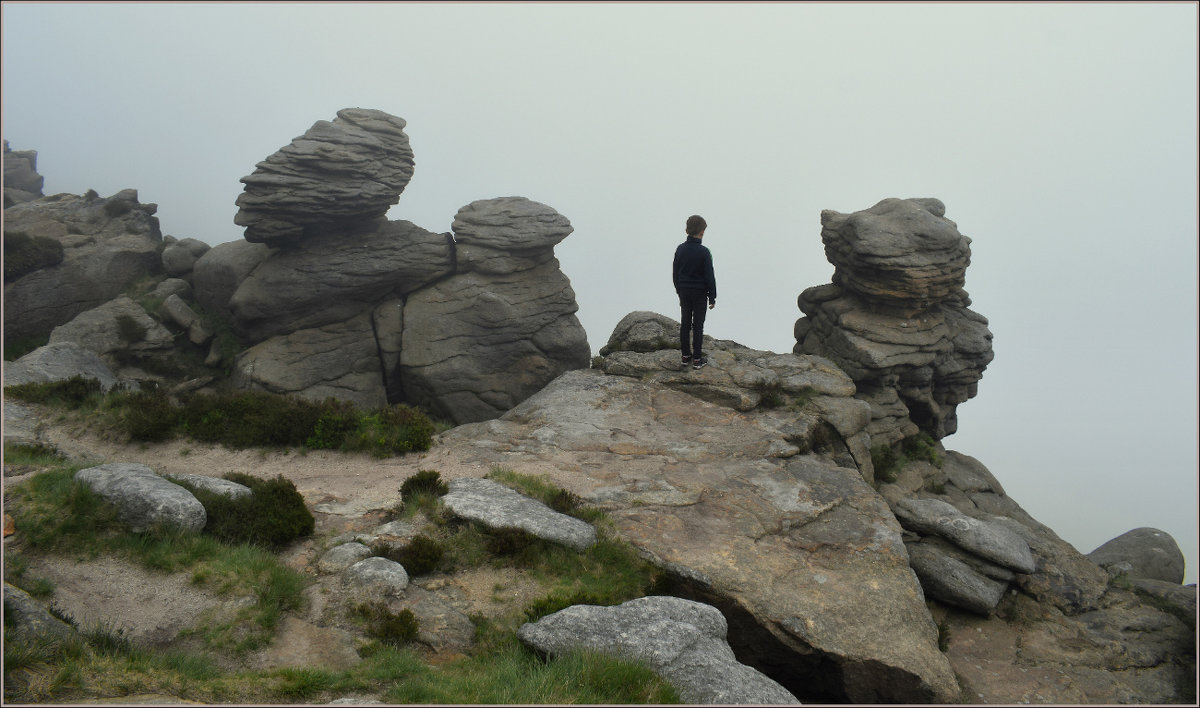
x=694, y=281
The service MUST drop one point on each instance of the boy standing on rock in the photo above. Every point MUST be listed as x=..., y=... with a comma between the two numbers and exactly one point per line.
x=694, y=283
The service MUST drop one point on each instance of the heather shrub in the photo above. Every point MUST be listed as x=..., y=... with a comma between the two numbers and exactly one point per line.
x=420, y=556
x=274, y=515
x=24, y=254
x=391, y=628
x=73, y=393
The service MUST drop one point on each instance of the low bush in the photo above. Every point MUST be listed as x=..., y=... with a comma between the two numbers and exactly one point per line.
x=273, y=515
x=148, y=416
x=24, y=254
x=73, y=393
x=420, y=556
x=549, y=604
x=390, y=628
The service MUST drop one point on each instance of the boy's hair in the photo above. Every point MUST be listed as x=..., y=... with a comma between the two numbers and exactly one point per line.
x=695, y=224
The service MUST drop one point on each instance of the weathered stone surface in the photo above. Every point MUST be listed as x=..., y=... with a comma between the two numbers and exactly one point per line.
x=376, y=578
x=108, y=244
x=337, y=174
x=682, y=641
x=21, y=425
x=333, y=278
x=497, y=506
x=117, y=326
x=1175, y=599
x=216, y=485
x=22, y=183
x=506, y=235
x=803, y=555
x=1027, y=652
x=475, y=344
x=217, y=274
x=953, y=582
x=143, y=499
x=342, y=556
x=1142, y=553
x=59, y=362
x=895, y=316
x=983, y=538
x=29, y=620
x=338, y=360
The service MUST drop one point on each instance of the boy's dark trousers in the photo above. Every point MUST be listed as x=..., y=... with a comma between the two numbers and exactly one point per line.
x=693, y=305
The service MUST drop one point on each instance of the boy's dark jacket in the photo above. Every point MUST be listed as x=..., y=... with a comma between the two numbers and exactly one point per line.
x=693, y=269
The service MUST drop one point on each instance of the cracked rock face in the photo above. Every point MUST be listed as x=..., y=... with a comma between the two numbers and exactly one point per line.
x=895, y=317
x=343, y=172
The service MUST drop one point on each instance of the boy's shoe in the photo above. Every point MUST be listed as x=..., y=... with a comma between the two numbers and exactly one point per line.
x=697, y=363
x=687, y=360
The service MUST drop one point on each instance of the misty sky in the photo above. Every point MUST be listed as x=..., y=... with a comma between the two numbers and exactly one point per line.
x=1061, y=137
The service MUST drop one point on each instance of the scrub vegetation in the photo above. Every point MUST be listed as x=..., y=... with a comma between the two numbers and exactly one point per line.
x=57, y=515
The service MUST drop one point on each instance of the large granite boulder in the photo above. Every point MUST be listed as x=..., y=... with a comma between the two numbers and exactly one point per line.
x=333, y=277
x=1142, y=553
x=22, y=183
x=143, y=499
x=59, y=362
x=338, y=174
x=805, y=560
x=503, y=326
x=107, y=245
x=895, y=318
x=681, y=640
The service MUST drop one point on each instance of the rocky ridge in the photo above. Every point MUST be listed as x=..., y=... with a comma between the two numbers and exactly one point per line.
x=325, y=297
x=760, y=483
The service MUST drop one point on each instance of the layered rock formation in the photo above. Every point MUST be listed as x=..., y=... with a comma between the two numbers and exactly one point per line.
x=338, y=174
x=895, y=318
x=344, y=303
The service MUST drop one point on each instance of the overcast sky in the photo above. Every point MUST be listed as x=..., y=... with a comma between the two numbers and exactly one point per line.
x=1061, y=137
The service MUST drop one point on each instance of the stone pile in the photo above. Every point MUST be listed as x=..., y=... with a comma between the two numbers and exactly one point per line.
x=895, y=316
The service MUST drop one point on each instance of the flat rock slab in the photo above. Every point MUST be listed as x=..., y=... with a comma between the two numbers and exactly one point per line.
x=987, y=540
x=682, y=641
x=805, y=547
x=495, y=505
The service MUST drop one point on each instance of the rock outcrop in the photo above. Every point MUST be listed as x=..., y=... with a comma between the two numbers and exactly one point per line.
x=895, y=318
x=22, y=183
x=503, y=326
x=106, y=245
x=339, y=174
x=801, y=555
x=345, y=303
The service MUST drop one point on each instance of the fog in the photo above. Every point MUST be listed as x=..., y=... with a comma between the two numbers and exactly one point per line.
x=1061, y=137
